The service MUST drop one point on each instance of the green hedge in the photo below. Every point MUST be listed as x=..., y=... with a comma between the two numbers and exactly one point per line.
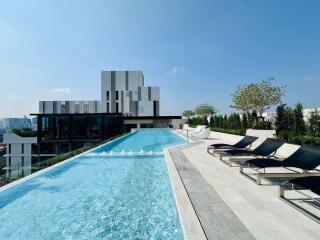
x=240, y=131
x=51, y=161
x=305, y=139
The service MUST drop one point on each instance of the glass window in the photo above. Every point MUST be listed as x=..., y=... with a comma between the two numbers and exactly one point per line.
x=54, y=127
x=108, y=95
x=86, y=127
x=112, y=126
x=117, y=107
x=63, y=107
x=77, y=107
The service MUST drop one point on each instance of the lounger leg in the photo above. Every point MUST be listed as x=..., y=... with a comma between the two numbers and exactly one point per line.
x=281, y=191
x=259, y=179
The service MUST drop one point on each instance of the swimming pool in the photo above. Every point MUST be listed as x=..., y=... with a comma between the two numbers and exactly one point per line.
x=114, y=197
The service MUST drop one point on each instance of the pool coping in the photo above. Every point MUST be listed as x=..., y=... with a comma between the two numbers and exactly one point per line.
x=40, y=172
x=192, y=229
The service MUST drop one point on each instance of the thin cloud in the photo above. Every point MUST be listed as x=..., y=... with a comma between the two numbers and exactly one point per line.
x=206, y=50
x=61, y=90
x=14, y=97
x=177, y=69
x=311, y=77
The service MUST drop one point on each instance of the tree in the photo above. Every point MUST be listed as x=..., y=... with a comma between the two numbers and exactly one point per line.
x=204, y=109
x=204, y=120
x=314, y=123
x=254, y=117
x=244, y=121
x=299, y=125
x=257, y=96
x=187, y=113
x=225, y=121
x=281, y=119
x=212, y=122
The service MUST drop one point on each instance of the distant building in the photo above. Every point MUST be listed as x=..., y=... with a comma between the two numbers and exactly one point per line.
x=122, y=92
x=2, y=131
x=21, y=154
x=125, y=103
x=11, y=123
x=1, y=124
x=34, y=123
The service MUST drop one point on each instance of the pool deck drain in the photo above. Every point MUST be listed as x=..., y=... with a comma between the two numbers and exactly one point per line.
x=216, y=218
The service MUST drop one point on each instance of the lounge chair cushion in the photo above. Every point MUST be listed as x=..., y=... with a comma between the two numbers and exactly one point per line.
x=265, y=162
x=312, y=183
x=238, y=152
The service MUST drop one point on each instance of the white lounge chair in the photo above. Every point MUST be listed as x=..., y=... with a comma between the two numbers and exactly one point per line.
x=197, y=130
x=204, y=134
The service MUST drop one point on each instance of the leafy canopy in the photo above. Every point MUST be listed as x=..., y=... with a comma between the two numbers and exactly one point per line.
x=257, y=96
x=187, y=113
x=205, y=109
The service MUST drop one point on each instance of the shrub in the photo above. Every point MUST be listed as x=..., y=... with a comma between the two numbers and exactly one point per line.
x=299, y=126
x=240, y=132
x=314, y=123
x=303, y=139
x=266, y=125
x=24, y=132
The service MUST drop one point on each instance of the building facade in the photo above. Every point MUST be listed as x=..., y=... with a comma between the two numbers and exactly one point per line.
x=11, y=123
x=64, y=107
x=125, y=103
x=21, y=154
x=124, y=92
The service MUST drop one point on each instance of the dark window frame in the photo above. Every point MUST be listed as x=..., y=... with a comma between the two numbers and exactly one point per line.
x=117, y=107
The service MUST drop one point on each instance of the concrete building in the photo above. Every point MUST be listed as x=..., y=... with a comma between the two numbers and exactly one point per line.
x=62, y=107
x=20, y=151
x=124, y=92
x=125, y=103
x=21, y=154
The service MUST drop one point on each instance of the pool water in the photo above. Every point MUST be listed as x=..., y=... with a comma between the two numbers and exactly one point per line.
x=144, y=140
x=119, y=197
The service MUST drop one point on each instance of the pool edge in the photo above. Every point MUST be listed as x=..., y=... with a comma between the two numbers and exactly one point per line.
x=190, y=224
x=40, y=172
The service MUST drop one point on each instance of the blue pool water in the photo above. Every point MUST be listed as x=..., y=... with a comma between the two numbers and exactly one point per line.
x=120, y=197
x=145, y=140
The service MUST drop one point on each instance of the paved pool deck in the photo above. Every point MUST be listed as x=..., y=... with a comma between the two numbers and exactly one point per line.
x=230, y=206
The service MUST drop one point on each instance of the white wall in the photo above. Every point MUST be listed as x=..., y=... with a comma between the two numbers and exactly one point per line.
x=15, y=143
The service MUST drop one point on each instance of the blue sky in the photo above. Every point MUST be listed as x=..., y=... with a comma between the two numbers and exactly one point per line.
x=196, y=51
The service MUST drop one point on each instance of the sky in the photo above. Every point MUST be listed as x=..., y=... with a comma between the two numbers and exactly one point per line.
x=196, y=51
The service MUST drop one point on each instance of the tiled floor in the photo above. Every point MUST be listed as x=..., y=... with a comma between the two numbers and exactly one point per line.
x=229, y=206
